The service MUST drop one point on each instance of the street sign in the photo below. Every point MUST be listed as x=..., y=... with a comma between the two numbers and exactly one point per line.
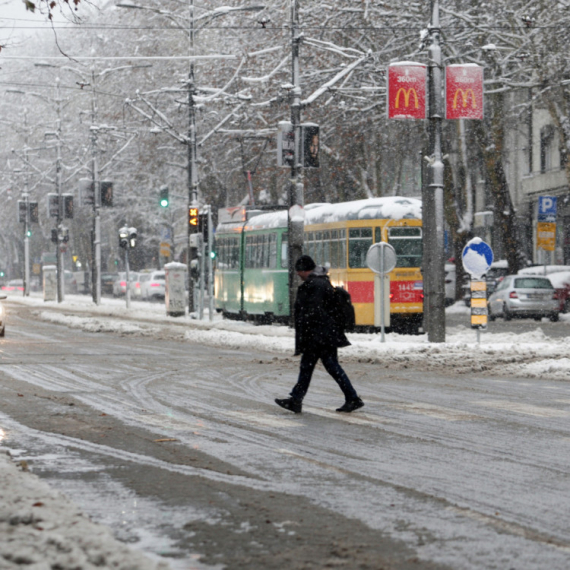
x=464, y=91
x=477, y=257
x=381, y=258
x=407, y=90
x=545, y=236
x=547, y=209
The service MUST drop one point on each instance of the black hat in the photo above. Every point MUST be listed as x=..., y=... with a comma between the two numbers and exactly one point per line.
x=304, y=263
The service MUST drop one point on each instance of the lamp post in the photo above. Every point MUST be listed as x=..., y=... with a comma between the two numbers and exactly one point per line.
x=192, y=171
x=58, y=185
x=95, y=181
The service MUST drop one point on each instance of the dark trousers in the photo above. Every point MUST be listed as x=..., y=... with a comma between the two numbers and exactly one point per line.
x=329, y=358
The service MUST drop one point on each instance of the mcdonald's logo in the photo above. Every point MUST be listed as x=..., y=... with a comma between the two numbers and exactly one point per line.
x=407, y=94
x=464, y=92
x=465, y=97
x=406, y=91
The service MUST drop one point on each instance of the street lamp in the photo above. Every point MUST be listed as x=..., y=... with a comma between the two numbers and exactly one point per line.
x=191, y=134
x=94, y=129
x=58, y=185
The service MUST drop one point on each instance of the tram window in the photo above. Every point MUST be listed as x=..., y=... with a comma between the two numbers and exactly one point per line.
x=284, y=250
x=334, y=253
x=266, y=250
x=377, y=235
x=359, y=242
x=342, y=249
x=272, y=251
x=326, y=248
x=408, y=245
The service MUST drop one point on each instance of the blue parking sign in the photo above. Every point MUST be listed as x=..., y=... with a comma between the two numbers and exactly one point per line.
x=547, y=209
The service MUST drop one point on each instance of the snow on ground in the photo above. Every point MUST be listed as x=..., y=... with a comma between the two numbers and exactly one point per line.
x=41, y=529
x=531, y=354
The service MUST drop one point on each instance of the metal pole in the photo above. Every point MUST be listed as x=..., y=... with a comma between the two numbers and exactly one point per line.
x=210, y=266
x=59, y=245
x=434, y=285
x=26, y=197
x=382, y=308
x=202, y=277
x=128, y=291
x=96, y=198
x=191, y=142
x=295, y=195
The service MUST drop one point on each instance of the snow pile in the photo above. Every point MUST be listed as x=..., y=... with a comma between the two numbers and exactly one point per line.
x=41, y=529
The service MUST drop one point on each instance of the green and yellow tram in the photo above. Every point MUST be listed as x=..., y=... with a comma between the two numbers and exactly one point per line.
x=252, y=277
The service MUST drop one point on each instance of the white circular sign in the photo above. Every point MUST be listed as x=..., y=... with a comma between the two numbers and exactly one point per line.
x=381, y=258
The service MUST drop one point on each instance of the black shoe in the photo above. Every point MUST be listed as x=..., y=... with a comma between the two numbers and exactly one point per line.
x=290, y=404
x=351, y=405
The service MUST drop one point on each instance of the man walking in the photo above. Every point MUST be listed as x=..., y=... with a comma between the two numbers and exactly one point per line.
x=317, y=336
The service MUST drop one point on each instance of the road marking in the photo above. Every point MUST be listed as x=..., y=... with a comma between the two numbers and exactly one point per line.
x=527, y=409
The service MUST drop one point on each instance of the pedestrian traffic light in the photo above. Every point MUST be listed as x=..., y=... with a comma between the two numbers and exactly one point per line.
x=68, y=206
x=193, y=213
x=164, y=202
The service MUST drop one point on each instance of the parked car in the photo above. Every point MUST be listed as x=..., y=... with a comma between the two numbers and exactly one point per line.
x=107, y=280
x=135, y=285
x=152, y=285
x=497, y=271
x=527, y=296
x=120, y=285
x=561, y=282
x=13, y=286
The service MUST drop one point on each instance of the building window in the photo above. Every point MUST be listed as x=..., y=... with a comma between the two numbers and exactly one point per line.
x=546, y=142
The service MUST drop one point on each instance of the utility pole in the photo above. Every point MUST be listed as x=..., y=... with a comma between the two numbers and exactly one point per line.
x=432, y=194
x=295, y=194
x=191, y=142
x=26, y=197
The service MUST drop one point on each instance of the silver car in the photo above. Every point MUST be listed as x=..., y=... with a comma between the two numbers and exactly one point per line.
x=524, y=296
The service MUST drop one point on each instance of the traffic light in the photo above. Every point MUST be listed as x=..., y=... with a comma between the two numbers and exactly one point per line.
x=29, y=233
x=193, y=214
x=68, y=206
x=53, y=205
x=54, y=236
x=34, y=213
x=106, y=188
x=132, y=237
x=65, y=235
x=124, y=237
x=22, y=211
x=164, y=202
x=203, y=225
x=310, y=145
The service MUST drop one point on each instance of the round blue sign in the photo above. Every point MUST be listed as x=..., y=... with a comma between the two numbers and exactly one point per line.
x=477, y=257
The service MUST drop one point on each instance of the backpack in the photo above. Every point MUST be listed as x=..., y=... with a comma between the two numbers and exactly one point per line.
x=342, y=309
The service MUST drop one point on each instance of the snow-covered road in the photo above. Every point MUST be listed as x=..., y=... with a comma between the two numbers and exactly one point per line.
x=461, y=452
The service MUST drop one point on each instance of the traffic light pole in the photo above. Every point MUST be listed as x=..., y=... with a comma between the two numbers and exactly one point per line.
x=295, y=194
x=59, y=245
x=96, y=248
x=432, y=194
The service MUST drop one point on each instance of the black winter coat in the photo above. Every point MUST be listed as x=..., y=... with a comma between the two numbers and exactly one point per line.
x=315, y=327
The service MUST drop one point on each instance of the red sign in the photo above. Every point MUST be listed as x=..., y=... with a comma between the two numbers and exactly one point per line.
x=464, y=92
x=407, y=91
